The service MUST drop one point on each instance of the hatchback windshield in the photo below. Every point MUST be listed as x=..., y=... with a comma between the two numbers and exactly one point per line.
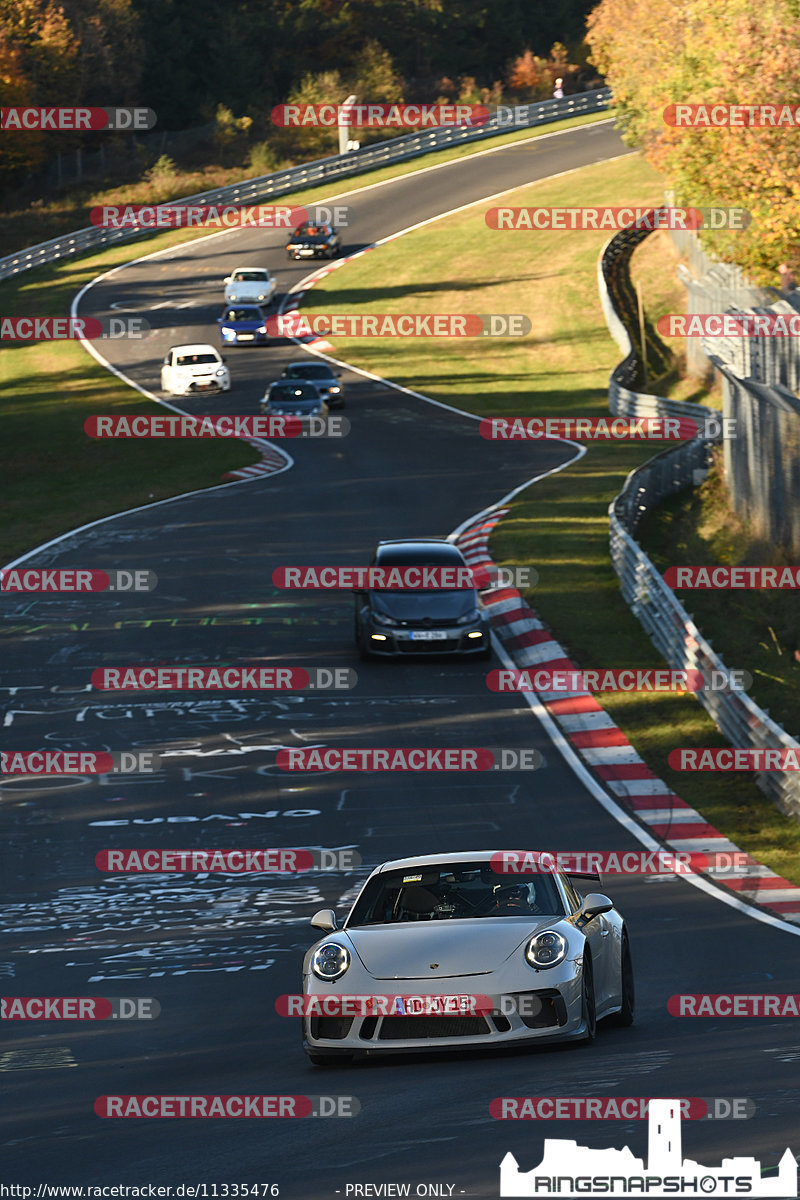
x=312, y=371
x=452, y=892
x=191, y=360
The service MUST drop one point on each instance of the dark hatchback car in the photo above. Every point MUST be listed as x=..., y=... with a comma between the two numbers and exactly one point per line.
x=392, y=622
x=295, y=398
x=321, y=375
x=313, y=241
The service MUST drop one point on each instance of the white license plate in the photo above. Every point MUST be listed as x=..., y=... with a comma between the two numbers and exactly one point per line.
x=246, y=337
x=428, y=635
x=437, y=1006
x=306, y=253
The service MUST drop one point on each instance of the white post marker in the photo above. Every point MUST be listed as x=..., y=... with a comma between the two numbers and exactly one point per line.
x=344, y=130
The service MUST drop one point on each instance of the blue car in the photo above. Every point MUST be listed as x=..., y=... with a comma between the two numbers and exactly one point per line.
x=241, y=324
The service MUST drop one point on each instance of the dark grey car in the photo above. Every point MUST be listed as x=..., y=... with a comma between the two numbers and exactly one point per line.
x=392, y=622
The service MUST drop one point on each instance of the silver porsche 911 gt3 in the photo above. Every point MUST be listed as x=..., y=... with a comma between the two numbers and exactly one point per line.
x=451, y=952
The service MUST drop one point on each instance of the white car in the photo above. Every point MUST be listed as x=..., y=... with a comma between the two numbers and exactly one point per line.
x=250, y=285
x=194, y=368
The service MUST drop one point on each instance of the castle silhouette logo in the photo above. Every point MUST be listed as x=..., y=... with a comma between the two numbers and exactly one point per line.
x=568, y=1169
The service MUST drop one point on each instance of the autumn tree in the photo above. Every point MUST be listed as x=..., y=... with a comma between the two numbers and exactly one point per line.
x=728, y=52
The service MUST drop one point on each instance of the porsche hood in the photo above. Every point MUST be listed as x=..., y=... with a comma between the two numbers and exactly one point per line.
x=443, y=949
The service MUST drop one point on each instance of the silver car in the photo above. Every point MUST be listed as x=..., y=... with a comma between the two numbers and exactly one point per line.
x=451, y=952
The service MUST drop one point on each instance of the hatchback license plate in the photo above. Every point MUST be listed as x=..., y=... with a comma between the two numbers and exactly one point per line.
x=428, y=635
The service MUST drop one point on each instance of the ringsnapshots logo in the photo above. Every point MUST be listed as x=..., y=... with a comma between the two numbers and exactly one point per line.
x=55, y=329
x=76, y=579
x=570, y=1170
x=616, y=218
x=235, y=678
x=398, y=325
x=224, y=426
x=215, y=216
x=76, y=120
x=79, y=1008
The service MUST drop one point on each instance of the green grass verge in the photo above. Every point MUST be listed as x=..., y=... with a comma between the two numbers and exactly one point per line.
x=560, y=369
x=54, y=477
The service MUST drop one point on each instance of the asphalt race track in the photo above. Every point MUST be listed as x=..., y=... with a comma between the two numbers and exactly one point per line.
x=216, y=951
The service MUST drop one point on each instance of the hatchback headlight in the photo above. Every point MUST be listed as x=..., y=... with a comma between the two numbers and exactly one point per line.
x=546, y=949
x=468, y=618
x=330, y=961
x=383, y=618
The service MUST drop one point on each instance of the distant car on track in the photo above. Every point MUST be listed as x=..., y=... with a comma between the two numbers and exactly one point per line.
x=552, y=957
x=294, y=398
x=320, y=374
x=313, y=241
x=426, y=621
x=242, y=324
x=250, y=285
x=194, y=368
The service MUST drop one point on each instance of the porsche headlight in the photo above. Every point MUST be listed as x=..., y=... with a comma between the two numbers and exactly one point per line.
x=330, y=961
x=220, y=371
x=546, y=949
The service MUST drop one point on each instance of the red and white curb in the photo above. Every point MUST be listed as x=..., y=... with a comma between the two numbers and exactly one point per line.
x=606, y=751
x=272, y=460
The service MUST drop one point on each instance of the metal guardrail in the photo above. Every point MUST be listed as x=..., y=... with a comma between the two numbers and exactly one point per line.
x=339, y=166
x=665, y=620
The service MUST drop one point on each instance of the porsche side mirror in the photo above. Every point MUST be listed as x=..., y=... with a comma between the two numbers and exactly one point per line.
x=593, y=905
x=325, y=920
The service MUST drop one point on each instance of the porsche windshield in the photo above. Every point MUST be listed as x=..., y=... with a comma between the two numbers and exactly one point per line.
x=454, y=892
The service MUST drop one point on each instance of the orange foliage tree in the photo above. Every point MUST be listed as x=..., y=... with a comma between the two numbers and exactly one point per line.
x=728, y=52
